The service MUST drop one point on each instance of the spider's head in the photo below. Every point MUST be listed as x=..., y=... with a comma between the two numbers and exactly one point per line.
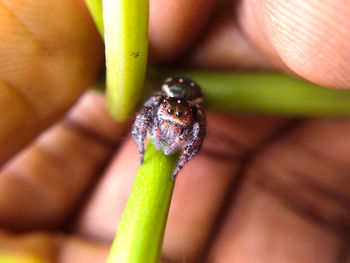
x=176, y=110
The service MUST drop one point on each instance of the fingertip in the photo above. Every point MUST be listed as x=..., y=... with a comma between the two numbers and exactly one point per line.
x=309, y=37
x=225, y=47
x=175, y=25
x=45, y=65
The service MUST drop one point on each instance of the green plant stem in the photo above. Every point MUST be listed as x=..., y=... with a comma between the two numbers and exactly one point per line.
x=140, y=233
x=265, y=93
x=126, y=42
x=95, y=8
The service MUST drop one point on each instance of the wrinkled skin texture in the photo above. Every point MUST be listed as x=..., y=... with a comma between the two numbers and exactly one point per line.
x=263, y=189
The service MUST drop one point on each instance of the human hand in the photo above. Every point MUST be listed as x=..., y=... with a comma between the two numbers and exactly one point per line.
x=261, y=190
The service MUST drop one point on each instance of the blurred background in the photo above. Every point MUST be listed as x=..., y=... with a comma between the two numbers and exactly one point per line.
x=262, y=189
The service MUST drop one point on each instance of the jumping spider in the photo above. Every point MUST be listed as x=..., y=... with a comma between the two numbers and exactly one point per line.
x=174, y=119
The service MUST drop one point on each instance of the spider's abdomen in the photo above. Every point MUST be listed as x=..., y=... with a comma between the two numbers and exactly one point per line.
x=183, y=88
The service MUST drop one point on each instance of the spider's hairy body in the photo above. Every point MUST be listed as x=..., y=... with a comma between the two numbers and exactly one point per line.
x=174, y=118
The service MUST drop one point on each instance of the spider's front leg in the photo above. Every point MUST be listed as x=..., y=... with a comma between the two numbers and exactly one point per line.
x=156, y=137
x=191, y=149
x=171, y=148
x=144, y=122
x=195, y=139
x=142, y=125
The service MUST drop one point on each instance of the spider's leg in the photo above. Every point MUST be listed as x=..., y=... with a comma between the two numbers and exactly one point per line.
x=171, y=148
x=144, y=122
x=195, y=142
x=155, y=100
x=156, y=138
x=190, y=150
x=142, y=125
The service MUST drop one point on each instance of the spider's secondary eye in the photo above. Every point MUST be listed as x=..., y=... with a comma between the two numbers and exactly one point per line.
x=179, y=114
x=164, y=105
x=170, y=111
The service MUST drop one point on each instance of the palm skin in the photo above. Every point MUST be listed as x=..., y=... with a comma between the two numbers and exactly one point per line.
x=262, y=189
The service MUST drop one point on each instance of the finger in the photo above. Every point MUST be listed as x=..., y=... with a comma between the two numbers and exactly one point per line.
x=49, y=53
x=169, y=32
x=37, y=246
x=75, y=249
x=52, y=247
x=293, y=205
x=310, y=37
x=200, y=189
x=42, y=185
x=225, y=47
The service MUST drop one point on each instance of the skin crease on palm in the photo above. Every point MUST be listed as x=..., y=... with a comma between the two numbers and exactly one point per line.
x=263, y=189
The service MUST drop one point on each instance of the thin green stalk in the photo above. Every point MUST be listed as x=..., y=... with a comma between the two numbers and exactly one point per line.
x=266, y=93
x=126, y=42
x=140, y=233
x=95, y=8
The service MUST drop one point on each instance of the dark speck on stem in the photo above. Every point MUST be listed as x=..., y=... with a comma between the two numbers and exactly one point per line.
x=135, y=54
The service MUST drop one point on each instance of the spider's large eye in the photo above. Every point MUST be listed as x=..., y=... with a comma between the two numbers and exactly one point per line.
x=170, y=111
x=179, y=114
